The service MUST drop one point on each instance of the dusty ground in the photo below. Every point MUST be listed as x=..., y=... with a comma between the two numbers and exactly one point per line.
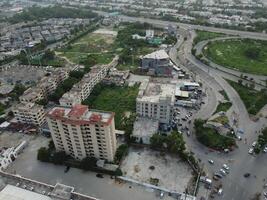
x=173, y=174
x=8, y=139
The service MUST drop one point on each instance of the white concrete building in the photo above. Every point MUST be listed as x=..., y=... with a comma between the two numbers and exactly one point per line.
x=29, y=113
x=81, y=132
x=155, y=101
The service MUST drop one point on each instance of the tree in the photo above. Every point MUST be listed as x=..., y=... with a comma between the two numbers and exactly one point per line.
x=76, y=74
x=49, y=55
x=59, y=158
x=121, y=151
x=88, y=162
x=43, y=155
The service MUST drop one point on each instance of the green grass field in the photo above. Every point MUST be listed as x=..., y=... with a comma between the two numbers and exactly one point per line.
x=245, y=55
x=223, y=107
x=205, y=35
x=253, y=100
x=113, y=98
x=100, y=45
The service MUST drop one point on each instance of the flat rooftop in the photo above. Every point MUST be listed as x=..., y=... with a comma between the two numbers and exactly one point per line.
x=154, y=91
x=145, y=127
x=11, y=192
x=80, y=114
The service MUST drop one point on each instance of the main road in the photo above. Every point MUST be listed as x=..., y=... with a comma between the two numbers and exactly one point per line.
x=235, y=185
x=162, y=23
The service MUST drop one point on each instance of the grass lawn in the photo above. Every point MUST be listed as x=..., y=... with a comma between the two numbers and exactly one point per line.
x=253, y=100
x=223, y=107
x=205, y=35
x=114, y=98
x=211, y=138
x=245, y=55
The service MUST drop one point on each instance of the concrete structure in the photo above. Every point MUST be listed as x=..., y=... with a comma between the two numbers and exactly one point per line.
x=45, y=87
x=83, y=89
x=157, y=63
x=81, y=132
x=155, y=101
x=29, y=113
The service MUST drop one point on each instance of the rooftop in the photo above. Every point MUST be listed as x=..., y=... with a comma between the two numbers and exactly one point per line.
x=160, y=54
x=80, y=114
x=11, y=192
x=153, y=92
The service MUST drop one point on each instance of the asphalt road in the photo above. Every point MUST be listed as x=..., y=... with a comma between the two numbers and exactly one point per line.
x=235, y=185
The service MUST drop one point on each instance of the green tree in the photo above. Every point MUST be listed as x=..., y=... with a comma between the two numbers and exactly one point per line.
x=59, y=158
x=43, y=155
x=121, y=151
x=88, y=162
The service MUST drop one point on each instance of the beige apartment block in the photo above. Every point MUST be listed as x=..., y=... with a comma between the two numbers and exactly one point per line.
x=29, y=113
x=81, y=132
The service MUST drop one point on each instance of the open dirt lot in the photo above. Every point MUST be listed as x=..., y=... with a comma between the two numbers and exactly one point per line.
x=173, y=173
x=84, y=182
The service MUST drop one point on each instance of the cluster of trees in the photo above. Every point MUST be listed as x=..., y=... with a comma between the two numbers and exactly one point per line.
x=60, y=158
x=211, y=138
x=253, y=53
x=173, y=143
x=40, y=13
x=262, y=141
x=17, y=91
x=130, y=46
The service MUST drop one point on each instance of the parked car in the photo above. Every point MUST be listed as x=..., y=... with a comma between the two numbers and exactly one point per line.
x=251, y=150
x=211, y=162
x=223, y=172
x=246, y=175
x=226, y=167
x=220, y=191
x=254, y=144
x=218, y=175
x=99, y=176
x=265, y=150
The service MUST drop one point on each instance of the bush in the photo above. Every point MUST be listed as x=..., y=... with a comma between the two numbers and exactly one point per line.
x=88, y=162
x=58, y=158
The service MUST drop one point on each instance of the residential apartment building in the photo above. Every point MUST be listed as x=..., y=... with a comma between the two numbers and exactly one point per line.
x=156, y=101
x=46, y=86
x=32, y=95
x=29, y=113
x=81, y=132
x=83, y=89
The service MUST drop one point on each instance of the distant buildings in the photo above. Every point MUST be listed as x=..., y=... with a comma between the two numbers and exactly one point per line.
x=81, y=132
x=157, y=63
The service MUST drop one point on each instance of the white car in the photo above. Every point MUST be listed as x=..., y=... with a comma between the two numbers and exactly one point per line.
x=226, y=167
x=254, y=144
x=211, y=162
x=265, y=150
x=220, y=191
x=251, y=150
x=223, y=172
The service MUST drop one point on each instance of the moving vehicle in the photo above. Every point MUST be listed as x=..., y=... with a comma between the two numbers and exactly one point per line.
x=246, y=175
x=161, y=195
x=265, y=150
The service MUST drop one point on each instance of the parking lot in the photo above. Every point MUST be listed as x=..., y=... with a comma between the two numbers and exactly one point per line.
x=148, y=166
x=105, y=188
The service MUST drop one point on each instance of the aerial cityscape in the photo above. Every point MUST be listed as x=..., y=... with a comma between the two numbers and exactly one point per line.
x=133, y=100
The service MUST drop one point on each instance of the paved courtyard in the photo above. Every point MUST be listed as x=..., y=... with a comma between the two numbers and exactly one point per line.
x=86, y=183
x=172, y=172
